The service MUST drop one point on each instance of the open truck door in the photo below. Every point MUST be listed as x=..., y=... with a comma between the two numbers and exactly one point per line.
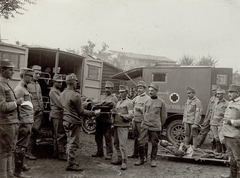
x=92, y=77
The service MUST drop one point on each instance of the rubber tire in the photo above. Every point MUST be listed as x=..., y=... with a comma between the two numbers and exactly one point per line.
x=89, y=125
x=175, y=125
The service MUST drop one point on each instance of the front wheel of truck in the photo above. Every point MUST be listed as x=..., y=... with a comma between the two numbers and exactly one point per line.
x=175, y=132
x=89, y=125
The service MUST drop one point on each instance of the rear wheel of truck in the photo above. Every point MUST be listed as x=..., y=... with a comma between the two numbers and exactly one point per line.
x=175, y=132
x=89, y=125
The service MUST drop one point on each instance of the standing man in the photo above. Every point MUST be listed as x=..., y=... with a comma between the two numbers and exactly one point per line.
x=231, y=130
x=192, y=117
x=72, y=119
x=138, y=103
x=124, y=110
x=26, y=120
x=206, y=124
x=104, y=123
x=56, y=116
x=216, y=122
x=155, y=115
x=36, y=93
x=8, y=118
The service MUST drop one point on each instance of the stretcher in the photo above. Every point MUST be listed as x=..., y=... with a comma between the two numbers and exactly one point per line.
x=163, y=152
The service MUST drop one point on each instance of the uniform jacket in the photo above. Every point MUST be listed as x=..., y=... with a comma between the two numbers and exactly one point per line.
x=209, y=111
x=106, y=118
x=125, y=107
x=193, y=111
x=8, y=106
x=35, y=90
x=25, y=111
x=155, y=114
x=232, y=112
x=72, y=107
x=56, y=106
x=218, y=111
x=138, y=103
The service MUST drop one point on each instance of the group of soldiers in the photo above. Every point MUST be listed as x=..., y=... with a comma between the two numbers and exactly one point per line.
x=222, y=118
x=22, y=114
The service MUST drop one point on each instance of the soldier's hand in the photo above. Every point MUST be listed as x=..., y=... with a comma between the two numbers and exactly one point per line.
x=97, y=112
x=19, y=101
x=194, y=126
x=227, y=121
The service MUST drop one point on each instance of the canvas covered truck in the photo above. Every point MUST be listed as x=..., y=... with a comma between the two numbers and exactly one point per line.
x=173, y=81
x=87, y=69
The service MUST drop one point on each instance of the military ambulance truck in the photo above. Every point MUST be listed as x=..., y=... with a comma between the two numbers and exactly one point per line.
x=173, y=81
x=52, y=61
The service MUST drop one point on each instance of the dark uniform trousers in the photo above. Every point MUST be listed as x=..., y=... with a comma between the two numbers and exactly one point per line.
x=152, y=136
x=103, y=129
x=24, y=133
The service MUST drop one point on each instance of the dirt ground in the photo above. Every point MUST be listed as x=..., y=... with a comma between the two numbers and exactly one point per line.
x=46, y=167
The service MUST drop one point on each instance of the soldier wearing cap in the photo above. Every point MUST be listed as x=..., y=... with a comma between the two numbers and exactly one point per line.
x=26, y=120
x=192, y=117
x=206, y=124
x=72, y=119
x=122, y=119
x=56, y=116
x=155, y=115
x=36, y=93
x=231, y=130
x=104, y=123
x=8, y=118
x=216, y=121
x=138, y=103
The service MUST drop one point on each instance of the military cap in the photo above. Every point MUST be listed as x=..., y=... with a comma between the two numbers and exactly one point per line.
x=154, y=85
x=215, y=87
x=220, y=91
x=191, y=89
x=26, y=71
x=141, y=84
x=122, y=88
x=57, y=78
x=37, y=67
x=71, y=77
x=109, y=84
x=6, y=63
x=234, y=87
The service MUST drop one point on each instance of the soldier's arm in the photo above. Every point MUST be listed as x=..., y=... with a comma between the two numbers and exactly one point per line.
x=6, y=106
x=163, y=113
x=129, y=115
x=19, y=94
x=77, y=103
x=55, y=98
x=198, y=113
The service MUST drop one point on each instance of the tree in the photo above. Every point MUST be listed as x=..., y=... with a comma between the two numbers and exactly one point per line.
x=88, y=49
x=207, y=61
x=187, y=60
x=9, y=7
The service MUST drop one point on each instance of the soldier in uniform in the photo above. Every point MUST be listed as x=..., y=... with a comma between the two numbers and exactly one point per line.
x=231, y=130
x=155, y=115
x=206, y=124
x=26, y=120
x=56, y=116
x=72, y=113
x=36, y=93
x=104, y=123
x=216, y=121
x=192, y=117
x=122, y=119
x=8, y=118
x=138, y=103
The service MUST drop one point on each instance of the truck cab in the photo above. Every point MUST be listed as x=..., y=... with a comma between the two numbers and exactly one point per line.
x=173, y=81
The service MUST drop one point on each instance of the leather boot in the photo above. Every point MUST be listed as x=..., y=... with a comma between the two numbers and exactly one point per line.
x=201, y=139
x=153, y=163
x=9, y=167
x=118, y=161
x=218, y=147
x=3, y=166
x=124, y=164
x=135, y=150
x=213, y=144
x=18, y=166
x=195, y=142
x=224, y=149
x=141, y=157
x=146, y=152
x=233, y=172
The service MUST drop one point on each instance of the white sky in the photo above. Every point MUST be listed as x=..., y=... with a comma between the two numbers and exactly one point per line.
x=169, y=28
